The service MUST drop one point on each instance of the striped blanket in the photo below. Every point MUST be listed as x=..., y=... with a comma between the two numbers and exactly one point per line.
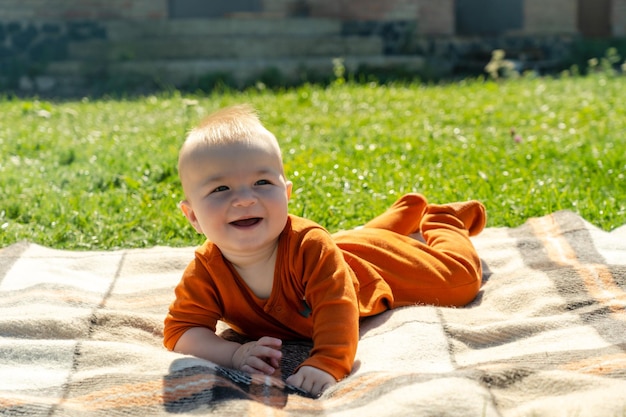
x=80, y=335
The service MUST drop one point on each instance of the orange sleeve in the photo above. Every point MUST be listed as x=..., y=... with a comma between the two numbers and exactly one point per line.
x=330, y=292
x=192, y=306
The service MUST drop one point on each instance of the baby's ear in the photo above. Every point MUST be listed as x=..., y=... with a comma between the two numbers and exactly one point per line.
x=185, y=207
x=289, y=188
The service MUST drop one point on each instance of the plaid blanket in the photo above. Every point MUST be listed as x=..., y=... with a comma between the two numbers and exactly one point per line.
x=80, y=335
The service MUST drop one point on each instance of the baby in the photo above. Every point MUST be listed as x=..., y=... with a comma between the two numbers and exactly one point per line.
x=273, y=276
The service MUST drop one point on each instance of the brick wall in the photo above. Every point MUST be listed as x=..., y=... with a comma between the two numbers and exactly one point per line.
x=436, y=17
x=82, y=10
x=618, y=15
x=550, y=16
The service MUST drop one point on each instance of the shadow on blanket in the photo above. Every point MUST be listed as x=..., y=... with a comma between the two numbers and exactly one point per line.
x=191, y=386
x=203, y=387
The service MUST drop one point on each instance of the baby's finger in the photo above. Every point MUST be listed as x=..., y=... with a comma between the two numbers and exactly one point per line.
x=295, y=380
x=256, y=365
x=319, y=387
x=270, y=342
x=267, y=353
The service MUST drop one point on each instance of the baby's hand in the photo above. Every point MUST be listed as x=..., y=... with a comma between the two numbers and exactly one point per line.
x=262, y=356
x=312, y=379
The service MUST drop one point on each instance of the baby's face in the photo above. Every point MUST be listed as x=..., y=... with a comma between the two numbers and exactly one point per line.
x=237, y=195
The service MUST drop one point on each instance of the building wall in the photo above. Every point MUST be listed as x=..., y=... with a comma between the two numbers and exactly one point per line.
x=158, y=9
x=550, y=16
x=82, y=9
x=433, y=17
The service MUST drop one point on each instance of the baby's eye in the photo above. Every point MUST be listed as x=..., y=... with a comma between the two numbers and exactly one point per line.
x=220, y=189
x=262, y=182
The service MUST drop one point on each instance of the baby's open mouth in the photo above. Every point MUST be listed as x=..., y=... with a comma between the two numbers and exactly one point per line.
x=246, y=222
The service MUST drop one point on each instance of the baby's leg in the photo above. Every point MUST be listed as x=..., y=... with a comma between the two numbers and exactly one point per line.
x=444, y=270
x=446, y=229
x=403, y=217
x=448, y=270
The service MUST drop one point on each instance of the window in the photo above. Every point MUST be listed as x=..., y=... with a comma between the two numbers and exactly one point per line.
x=594, y=18
x=488, y=17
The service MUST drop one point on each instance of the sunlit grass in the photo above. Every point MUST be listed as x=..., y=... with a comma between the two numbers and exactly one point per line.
x=102, y=174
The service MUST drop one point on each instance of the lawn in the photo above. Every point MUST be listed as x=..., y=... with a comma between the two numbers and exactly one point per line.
x=101, y=174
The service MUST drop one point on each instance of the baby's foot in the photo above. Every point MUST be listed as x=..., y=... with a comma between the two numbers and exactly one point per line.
x=471, y=213
x=403, y=217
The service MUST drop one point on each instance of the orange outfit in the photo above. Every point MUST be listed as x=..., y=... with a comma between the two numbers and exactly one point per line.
x=324, y=283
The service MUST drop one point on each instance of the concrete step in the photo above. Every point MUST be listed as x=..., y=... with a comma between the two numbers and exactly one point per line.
x=178, y=73
x=125, y=30
x=225, y=47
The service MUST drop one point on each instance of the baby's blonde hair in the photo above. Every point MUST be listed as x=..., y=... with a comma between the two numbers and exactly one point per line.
x=230, y=124
x=234, y=124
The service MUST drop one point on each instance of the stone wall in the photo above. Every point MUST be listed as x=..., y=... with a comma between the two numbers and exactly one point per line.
x=82, y=9
x=437, y=16
x=158, y=9
x=38, y=34
x=27, y=46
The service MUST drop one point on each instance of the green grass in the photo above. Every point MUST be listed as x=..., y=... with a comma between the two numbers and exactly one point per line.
x=102, y=174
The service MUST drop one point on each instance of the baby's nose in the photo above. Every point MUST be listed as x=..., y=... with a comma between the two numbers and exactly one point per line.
x=245, y=198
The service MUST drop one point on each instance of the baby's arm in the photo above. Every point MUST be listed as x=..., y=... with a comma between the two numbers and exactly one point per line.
x=331, y=305
x=261, y=356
